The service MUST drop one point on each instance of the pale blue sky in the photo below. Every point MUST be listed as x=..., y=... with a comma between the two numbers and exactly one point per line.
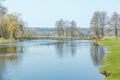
x=44, y=13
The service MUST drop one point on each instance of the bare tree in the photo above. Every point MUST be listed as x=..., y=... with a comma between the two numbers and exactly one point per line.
x=67, y=28
x=115, y=23
x=59, y=27
x=3, y=26
x=67, y=25
x=103, y=20
x=72, y=28
x=94, y=25
x=98, y=23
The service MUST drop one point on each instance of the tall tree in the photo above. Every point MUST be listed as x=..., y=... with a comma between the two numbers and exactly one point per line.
x=103, y=20
x=3, y=11
x=67, y=25
x=72, y=28
x=95, y=24
x=115, y=23
x=12, y=24
x=3, y=28
x=98, y=23
x=59, y=27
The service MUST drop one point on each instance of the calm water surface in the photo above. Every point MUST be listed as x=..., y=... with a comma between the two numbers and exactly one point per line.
x=51, y=60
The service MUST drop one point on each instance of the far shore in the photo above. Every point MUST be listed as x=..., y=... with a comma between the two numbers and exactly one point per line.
x=3, y=40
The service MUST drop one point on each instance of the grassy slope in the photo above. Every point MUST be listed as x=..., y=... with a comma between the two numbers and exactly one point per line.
x=112, y=60
x=2, y=40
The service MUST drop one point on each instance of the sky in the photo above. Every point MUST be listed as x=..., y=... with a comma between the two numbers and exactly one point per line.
x=44, y=13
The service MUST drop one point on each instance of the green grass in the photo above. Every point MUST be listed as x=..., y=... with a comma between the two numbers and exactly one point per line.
x=2, y=40
x=112, y=60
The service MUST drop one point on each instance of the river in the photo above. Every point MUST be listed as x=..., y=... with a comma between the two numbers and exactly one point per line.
x=51, y=60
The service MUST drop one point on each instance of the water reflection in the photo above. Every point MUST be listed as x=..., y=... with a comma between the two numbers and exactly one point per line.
x=60, y=49
x=97, y=54
x=78, y=53
x=9, y=58
x=66, y=49
x=9, y=49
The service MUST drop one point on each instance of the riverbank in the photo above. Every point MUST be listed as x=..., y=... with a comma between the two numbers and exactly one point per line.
x=53, y=38
x=111, y=67
x=2, y=40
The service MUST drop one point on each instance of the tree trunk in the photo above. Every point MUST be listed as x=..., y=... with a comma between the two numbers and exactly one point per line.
x=116, y=34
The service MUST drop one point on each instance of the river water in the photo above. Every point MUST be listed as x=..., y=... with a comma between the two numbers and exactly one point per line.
x=51, y=60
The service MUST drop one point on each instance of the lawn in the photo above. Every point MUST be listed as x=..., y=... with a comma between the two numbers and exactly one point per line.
x=111, y=67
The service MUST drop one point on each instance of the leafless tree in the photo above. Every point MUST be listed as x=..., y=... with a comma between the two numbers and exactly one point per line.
x=103, y=22
x=59, y=27
x=67, y=25
x=98, y=23
x=94, y=24
x=114, y=22
x=72, y=28
x=3, y=27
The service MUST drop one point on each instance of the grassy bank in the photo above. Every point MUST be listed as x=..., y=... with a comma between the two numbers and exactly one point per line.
x=2, y=40
x=111, y=68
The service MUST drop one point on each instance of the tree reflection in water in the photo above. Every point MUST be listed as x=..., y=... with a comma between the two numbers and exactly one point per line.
x=97, y=54
x=9, y=49
x=9, y=58
x=66, y=48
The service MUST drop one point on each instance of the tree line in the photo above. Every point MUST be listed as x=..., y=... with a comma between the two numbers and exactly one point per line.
x=102, y=25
